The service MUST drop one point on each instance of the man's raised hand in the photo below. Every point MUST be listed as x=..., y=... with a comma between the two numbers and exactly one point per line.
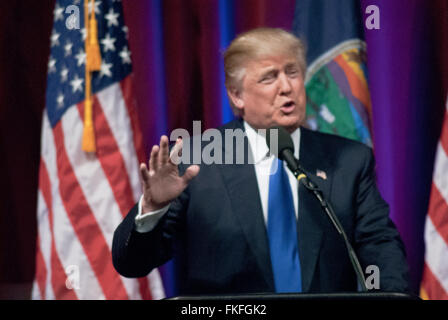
x=161, y=182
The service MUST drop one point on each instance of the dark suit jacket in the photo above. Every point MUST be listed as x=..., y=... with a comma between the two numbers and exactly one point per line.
x=217, y=232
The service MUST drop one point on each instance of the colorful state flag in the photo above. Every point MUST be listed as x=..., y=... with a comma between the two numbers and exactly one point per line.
x=338, y=99
x=435, y=271
x=83, y=196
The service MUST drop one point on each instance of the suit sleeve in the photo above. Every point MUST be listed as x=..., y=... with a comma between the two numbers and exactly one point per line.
x=377, y=240
x=135, y=254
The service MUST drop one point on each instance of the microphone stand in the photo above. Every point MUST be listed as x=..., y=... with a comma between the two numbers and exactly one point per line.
x=303, y=178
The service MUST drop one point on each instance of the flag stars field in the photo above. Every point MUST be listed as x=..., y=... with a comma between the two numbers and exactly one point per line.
x=80, y=57
x=64, y=74
x=54, y=38
x=51, y=65
x=58, y=13
x=83, y=33
x=105, y=69
x=76, y=84
x=96, y=6
x=112, y=18
x=108, y=43
x=60, y=100
x=68, y=49
x=125, y=55
x=125, y=30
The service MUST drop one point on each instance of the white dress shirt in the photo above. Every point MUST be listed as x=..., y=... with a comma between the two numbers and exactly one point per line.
x=263, y=162
x=145, y=222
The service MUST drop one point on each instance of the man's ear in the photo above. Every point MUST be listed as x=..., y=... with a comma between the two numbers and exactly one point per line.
x=235, y=97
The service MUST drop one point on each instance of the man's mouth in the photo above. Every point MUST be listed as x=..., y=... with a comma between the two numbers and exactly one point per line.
x=288, y=107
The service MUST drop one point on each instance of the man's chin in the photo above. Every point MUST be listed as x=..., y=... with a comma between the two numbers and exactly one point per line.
x=290, y=123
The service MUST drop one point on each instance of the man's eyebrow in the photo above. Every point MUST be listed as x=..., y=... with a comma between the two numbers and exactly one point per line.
x=292, y=65
x=268, y=71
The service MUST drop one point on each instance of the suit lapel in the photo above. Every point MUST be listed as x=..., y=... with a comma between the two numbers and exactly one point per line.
x=309, y=225
x=243, y=191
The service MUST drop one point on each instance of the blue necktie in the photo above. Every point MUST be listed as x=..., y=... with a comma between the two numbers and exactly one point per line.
x=282, y=232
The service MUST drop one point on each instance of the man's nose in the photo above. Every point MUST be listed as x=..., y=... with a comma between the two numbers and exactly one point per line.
x=285, y=84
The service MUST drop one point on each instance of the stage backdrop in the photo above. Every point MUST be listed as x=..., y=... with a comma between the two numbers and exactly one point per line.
x=177, y=59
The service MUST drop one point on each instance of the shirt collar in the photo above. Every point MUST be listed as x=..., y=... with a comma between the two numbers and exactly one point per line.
x=257, y=143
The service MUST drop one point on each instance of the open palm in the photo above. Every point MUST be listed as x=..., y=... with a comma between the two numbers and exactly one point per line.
x=161, y=182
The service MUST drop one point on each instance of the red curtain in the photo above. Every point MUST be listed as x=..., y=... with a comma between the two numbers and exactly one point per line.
x=25, y=28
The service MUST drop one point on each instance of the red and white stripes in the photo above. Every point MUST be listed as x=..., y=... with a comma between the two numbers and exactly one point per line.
x=435, y=274
x=82, y=199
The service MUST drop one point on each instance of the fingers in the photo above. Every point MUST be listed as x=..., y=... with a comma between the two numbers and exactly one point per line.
x=160, y=155
x=176, y=152
x=144, y=173
x=153, y=161
x=164, y=150
x=191, y=172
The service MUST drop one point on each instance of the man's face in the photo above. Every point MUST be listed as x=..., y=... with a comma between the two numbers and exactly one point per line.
x=273, y=93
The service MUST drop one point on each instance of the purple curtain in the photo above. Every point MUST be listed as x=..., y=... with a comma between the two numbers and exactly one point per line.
x=407, y=63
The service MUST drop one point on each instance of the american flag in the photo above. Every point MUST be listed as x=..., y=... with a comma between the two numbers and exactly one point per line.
x=435, y=272
x=82, y=197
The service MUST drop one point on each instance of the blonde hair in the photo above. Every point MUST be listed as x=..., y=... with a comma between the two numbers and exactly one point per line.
x=254, y=44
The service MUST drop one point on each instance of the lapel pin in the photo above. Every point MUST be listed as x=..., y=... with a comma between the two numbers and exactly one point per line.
x=321, y=174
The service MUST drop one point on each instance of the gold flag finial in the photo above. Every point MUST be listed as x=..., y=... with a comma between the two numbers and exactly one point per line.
x=92, y=47
x=93, y=63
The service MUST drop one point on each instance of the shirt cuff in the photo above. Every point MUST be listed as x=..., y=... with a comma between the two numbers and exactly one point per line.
x=145, y=222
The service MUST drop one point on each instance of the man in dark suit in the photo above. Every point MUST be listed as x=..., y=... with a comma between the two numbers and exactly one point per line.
x=216, y=219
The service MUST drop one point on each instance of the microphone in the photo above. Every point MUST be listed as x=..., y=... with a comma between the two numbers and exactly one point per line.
x=286, y=153
x=285, y=148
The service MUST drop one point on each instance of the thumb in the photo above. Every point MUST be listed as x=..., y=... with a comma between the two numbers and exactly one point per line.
x=190, y=173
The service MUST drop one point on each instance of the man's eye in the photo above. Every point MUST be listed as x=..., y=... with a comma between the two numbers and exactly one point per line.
x=293, y=72
x=268, y=78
